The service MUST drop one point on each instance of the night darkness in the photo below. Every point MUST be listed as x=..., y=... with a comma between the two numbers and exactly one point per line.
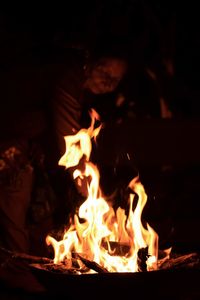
x=32, y=34
x=162, y=36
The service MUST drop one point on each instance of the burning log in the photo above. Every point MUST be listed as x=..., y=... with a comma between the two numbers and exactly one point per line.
x=91, y=264
x=66, y=267
x=188, y=261
x=57, y=268
x=71, y=266
x=116, y=248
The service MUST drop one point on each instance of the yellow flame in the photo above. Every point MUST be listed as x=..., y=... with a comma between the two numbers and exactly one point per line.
x=102, y=226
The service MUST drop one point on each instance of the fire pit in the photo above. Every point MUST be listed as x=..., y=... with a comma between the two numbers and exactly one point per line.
x=168, y=284
x=177, y=278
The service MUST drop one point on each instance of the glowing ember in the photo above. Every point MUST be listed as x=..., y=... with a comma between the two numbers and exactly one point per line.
x=101, y=227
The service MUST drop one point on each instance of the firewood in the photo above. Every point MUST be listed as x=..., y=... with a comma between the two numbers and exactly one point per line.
x=25, y=257
x=188, y=261
x=191, y=260
x=91, y=264
x=117, y=248
x=56, y=268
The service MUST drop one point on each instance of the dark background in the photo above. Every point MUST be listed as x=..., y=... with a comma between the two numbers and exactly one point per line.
x=33, y=43
x=33, y=39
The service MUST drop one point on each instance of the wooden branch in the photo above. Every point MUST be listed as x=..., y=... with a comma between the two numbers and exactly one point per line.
x=187, y=261
x=191, y=260
x=57, y=268
x=26, y=257
x=91, y=264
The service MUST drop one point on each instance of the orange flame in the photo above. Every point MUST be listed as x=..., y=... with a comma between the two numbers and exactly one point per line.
x=102, y=226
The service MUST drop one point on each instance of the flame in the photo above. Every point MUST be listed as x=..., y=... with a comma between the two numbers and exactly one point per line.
x=97, y=226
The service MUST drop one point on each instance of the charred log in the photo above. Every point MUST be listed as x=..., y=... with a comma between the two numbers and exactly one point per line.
x=73, y=266
x=57, y=268
x=91, y=264
x=187, y=261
